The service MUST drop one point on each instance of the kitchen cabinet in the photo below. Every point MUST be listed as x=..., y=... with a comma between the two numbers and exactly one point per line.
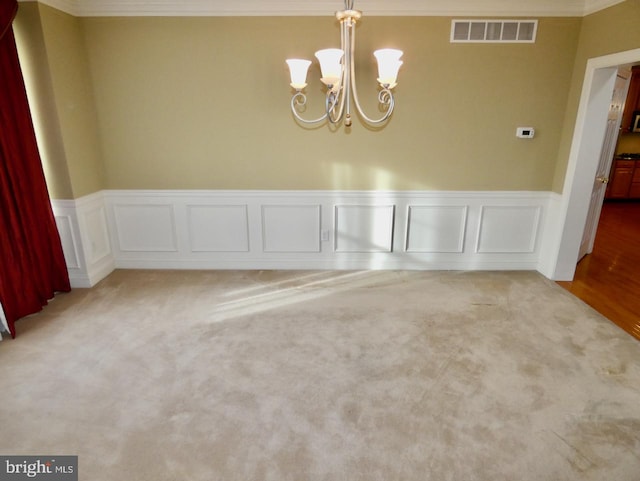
x=622, y=176
x=634, y=191
x=632, y=104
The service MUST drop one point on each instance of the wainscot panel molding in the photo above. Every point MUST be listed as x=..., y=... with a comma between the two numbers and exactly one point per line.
x=364, y=228
x=521, y=222
x=304, y=230
x=291, y=228
x=552, y=223
x=85, y=237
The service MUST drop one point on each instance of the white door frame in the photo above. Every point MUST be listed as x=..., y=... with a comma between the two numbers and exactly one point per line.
x=587, y=140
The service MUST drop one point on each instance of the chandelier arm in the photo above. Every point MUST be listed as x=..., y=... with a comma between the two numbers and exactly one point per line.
x=344, y=80
x=347, y=46
x=300, y=99
x=330, y=106
x=340, y=94
x=385, y=97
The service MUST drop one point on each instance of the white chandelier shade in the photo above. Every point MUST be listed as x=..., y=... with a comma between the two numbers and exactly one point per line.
x=388, y=65
x=330, y=65
x=338, y=75
x=298, y=69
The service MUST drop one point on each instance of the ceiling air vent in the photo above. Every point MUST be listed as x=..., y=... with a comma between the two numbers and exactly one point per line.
x=494, y=31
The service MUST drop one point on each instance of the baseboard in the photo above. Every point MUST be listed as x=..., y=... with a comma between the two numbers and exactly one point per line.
x=415, y=230
x=314, y=264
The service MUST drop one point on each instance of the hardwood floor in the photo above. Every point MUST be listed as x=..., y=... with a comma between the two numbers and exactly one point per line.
x=608, y=279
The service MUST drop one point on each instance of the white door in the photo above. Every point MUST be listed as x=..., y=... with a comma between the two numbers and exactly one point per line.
x=606, y=158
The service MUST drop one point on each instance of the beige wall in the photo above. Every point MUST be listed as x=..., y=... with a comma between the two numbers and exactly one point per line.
x=35, y=68
x=62, y=83
x=74, y=97
x=615, y=29
x=202, y=103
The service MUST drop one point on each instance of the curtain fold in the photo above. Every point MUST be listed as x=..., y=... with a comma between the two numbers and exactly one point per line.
x=32, y=267
x=8, y=9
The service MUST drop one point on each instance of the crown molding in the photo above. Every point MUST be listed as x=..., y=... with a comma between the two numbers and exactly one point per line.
x=539, y=8
x=593, y=6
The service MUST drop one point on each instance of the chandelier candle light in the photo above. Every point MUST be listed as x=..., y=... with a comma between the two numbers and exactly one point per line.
x=338, y=74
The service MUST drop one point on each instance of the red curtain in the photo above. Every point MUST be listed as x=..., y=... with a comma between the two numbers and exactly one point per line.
x=32, y=266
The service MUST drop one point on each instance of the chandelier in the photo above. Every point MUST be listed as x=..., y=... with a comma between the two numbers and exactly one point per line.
x=338, y=75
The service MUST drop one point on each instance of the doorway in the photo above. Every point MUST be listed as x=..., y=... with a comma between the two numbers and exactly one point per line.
x=589, y=133
x=607, y=280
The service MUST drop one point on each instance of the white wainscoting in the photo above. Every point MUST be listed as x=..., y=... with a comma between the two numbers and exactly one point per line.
x=302, y=230
x=291, y=228
x=218, y=228
x=85, y=236
x=520, y=223
x=363, y=228
x=436, y=228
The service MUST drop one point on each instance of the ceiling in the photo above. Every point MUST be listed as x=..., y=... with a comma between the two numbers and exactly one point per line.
x=563, y=8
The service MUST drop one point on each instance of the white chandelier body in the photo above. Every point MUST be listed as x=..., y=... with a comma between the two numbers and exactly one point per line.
x=338, y=75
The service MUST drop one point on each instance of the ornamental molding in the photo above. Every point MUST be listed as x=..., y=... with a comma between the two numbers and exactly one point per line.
x=501, y=8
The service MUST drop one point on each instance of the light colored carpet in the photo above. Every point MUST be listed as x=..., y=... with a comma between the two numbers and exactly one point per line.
x=332, y=376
